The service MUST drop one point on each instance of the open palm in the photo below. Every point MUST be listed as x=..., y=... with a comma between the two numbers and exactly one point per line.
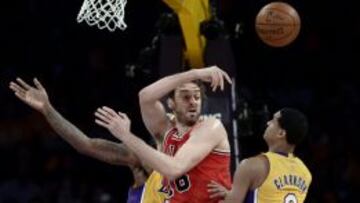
x=117, y=123
x=36, y=97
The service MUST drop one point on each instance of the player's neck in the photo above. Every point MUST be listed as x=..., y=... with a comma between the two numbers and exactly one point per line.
x=282, y=148
x=183, y=128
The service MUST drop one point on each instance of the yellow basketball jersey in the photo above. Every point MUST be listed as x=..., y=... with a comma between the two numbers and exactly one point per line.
x=151, y=192
x=288, y=180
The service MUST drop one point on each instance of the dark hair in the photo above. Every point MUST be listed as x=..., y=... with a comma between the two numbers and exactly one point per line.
x=294, y=123
x=198, y=83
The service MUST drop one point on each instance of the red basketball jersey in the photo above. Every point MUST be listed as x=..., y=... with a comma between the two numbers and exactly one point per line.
x=192, y=186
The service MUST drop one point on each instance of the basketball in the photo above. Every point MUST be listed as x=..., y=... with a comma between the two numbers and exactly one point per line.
x=278, y=24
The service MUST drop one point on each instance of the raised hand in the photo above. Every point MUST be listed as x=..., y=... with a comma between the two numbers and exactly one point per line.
x=117, y=123
x=36, y=97
x=215, y=76
x=216, y=190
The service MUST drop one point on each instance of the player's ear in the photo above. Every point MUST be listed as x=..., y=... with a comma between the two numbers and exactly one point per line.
x=282, y=133
x=170, y=103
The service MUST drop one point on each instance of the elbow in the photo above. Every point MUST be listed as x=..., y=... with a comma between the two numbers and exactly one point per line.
x=144, y=96
x=85, y=148
x=173, y=176
x=133, y=161
x=174, y=173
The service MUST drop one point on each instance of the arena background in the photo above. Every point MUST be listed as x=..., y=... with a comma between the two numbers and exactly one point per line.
x=83, y=68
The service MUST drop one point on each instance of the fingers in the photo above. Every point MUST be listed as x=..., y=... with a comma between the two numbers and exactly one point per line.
x=227, y=77
x=217, y=78
x=212, y=185
x=17, y=89
x=222, y=74
x=20, y=96
x=106, y=114
x=215, y=186
x=123, y=115
x=101, y=116
x=38, y=84
x=110, y=111
x=101, y=123
x=115, y=122
x=216, y=190
x=215, y=81
x=213, y=182
x=23, y=84
x=221, y=80
x=217, y=195
x=213, y=189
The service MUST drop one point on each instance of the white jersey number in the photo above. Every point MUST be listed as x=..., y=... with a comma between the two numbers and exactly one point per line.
x=290, y=198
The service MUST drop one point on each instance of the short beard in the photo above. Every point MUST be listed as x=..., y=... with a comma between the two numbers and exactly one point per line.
x=192, y=122
x=187, y=122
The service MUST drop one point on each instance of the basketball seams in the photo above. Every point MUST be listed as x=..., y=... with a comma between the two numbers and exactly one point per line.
x=280, y=27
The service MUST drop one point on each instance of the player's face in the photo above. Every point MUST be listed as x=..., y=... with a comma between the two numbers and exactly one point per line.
x=187, y=103
x=273, y=128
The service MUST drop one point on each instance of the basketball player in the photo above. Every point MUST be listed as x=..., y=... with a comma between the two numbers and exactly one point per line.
x=278, y=175
x=145, y=187
x=196, y=151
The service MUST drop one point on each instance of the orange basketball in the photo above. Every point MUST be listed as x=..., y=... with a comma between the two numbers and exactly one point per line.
x=278, y=24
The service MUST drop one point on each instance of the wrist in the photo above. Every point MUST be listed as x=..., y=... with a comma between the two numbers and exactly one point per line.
x=125, y=135
x=195, y=74
x=46, y=109
x=129, y=139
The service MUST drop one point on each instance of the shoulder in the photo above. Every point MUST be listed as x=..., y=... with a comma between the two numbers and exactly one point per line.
x=210, y=127
x=211, y=123
x=255, y=169
x=255, y=164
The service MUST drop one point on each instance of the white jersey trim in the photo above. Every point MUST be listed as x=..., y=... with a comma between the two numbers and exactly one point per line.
x=142, y=194
x=256, y=196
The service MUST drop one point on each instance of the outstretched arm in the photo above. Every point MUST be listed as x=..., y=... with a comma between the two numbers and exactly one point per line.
x=101, y=149
x=107, y=151
x=152, y=111
x=204, y=139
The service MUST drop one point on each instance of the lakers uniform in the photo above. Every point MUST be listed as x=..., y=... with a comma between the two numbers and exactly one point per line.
x=192, y=186
x=151, y=192
x=135, y=194
x=288, y=181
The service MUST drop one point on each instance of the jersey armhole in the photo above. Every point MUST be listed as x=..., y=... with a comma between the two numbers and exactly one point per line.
x=165, y=136
x=259, y=183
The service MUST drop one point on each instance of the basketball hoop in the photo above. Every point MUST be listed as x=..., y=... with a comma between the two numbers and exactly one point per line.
x=103, y=13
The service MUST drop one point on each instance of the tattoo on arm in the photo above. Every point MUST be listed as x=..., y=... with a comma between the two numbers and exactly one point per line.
x=104, y=150
x=113, y=153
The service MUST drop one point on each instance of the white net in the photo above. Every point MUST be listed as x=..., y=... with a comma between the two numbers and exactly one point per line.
x=103, y=13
